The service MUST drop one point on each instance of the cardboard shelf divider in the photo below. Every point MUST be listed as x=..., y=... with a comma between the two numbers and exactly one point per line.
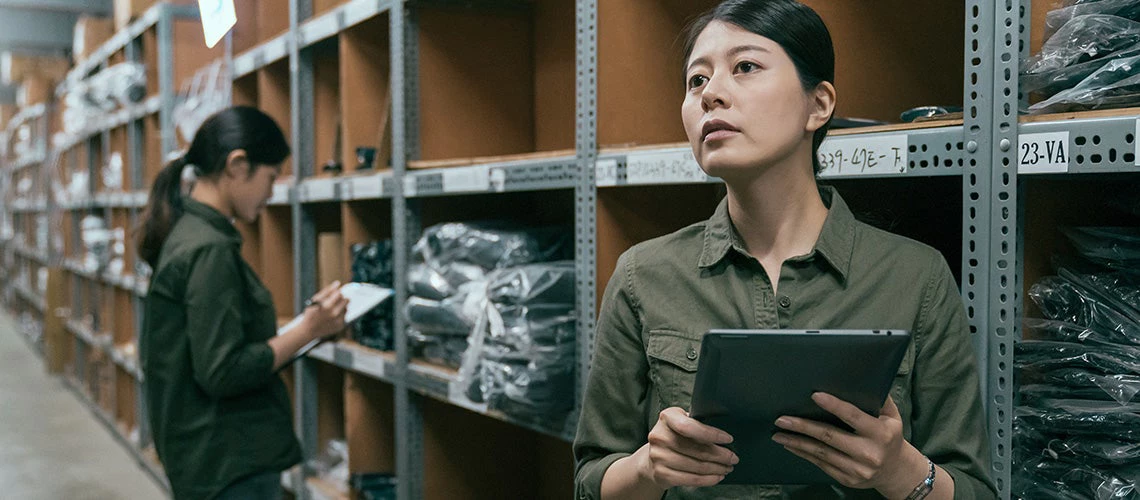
x=277, y=257
x=365, y=98
x=326, y=105
x=273, y=97
x=496, y=82
x=369, y=425
x=469, y=456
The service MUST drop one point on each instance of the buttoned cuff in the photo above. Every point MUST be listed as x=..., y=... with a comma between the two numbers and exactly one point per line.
x=589, y=484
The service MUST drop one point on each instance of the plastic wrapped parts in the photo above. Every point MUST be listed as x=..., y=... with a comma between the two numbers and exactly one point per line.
x=1045, y=478
x=1082, y=39
x=1044, y=355
x=1114, y=84
x=1078, y=417
x=372, y=263
x=1116, y=247
x=1062, y=300
x=491, y=245
x=1072, y=9
x=522, y=352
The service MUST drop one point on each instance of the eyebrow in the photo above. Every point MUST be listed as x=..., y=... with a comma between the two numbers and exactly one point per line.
x=732, y=52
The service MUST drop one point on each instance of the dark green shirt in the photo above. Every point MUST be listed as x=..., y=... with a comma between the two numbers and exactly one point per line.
x=667, y=292
x=217, y=410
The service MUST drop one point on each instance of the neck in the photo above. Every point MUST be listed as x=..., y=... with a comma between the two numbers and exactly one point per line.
x=207, y=193
x=778, y=214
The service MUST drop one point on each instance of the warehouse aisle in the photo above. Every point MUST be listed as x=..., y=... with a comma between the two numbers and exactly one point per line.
x=51, y=446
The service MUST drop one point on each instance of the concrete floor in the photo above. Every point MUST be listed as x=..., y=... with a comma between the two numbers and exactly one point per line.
x=51, y=446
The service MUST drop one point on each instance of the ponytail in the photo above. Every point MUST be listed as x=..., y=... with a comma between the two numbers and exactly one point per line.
x=163, y=209
x=229, y=130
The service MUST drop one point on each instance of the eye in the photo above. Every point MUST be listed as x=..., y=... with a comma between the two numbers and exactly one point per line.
x=696, y=81
x=747, y=67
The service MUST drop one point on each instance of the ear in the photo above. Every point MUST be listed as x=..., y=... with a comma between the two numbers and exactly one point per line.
x=237, y=164
x=820, y=106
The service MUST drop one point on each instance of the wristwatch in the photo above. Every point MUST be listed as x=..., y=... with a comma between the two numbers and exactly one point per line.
x=925, y=487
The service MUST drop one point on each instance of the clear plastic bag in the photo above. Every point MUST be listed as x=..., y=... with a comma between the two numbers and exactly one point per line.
x=1055, y=19
x=1045, y=478
x=1079, y=384
x=522, y=351
x=1100, y=452
x=490, y=245
x=437, y=284
x=1082, y=39
x=1061, y=300
x=1116, y=84
x=1044, y=329
x=1045, y=355
x=1109, y=246
x=1118, y=289
x=1078, y=417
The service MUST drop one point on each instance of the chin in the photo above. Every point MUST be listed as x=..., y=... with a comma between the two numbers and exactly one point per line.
x=722, y=165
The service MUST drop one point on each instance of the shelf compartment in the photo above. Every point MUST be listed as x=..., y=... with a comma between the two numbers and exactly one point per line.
x=496, y=81
x=327, y=106
x=370, y=425
x=274, y=99
x=365, y=94
x=276, y=225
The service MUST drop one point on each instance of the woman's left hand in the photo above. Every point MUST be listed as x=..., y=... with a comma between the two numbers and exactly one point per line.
x=875, y=455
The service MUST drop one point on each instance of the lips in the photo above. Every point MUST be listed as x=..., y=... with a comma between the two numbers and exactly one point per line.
x=717, y=130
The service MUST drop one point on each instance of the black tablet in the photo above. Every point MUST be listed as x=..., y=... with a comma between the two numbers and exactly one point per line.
x=746, y=379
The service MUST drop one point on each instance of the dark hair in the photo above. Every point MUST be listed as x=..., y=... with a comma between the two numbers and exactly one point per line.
x=231, y=129
x=794, y=26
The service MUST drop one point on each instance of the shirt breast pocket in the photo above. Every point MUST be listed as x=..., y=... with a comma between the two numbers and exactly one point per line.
x=673, y=365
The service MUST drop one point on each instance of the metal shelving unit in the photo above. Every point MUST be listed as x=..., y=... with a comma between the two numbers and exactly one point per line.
x=975, y=151
x=984, y=151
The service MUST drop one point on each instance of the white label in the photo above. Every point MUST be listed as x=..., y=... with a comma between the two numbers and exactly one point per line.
x=369, y=363
x=320, y=190
x=674, y=167
x=466, y=179
x=367, y=187
x=280, y=194
x=498, y=179
x=218, y=16
x=1046, y=153
x=605, y=173
x=877, y=155
x=410, y=186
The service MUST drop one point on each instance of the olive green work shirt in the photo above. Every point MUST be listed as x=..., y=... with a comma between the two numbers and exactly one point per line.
x=667, y=292
x=217, y=411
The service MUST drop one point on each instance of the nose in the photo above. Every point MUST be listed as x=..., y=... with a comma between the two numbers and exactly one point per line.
x=714, y=94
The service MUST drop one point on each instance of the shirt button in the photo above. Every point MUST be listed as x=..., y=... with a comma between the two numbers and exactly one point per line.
x=692, y=354
x=785, y=302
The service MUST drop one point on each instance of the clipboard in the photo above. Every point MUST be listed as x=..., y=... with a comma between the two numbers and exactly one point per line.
x=362, y=297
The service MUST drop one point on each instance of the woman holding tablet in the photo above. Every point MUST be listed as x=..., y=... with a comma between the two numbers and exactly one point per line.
x=778, y=253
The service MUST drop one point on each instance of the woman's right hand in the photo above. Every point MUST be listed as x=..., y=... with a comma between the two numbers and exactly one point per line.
x=684, y=452
x=326, y=316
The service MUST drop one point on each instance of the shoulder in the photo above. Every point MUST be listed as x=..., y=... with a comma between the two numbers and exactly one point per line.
x=874, y=248
x=679, y=249
x=190, y=241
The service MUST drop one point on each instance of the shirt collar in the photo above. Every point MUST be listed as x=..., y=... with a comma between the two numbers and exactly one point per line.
x=836, y=241
x=211, y=216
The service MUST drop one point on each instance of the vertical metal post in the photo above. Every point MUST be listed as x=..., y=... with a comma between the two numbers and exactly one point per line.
x=409, y=419
x=1005, y=311
x=975, y=177
x=304, y=239
x=585, y=191
x=166, y=89
x=136, y=149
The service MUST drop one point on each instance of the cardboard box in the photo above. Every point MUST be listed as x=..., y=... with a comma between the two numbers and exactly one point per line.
x=90, y=33
x=20, y=67
x=56, y=346
x=7, y=111
x=330, y=258
x=36, y=90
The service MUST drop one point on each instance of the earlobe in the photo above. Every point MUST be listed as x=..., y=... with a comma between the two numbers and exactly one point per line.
x=822, y=106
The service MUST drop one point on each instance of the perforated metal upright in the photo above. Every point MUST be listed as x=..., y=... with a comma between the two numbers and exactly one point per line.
x=990, y=264
x=403, y=82
x=304, y=231
x=585, y=189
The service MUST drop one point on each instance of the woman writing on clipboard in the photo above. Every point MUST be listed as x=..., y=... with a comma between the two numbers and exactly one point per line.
x=778, y=253
x=220, y=416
